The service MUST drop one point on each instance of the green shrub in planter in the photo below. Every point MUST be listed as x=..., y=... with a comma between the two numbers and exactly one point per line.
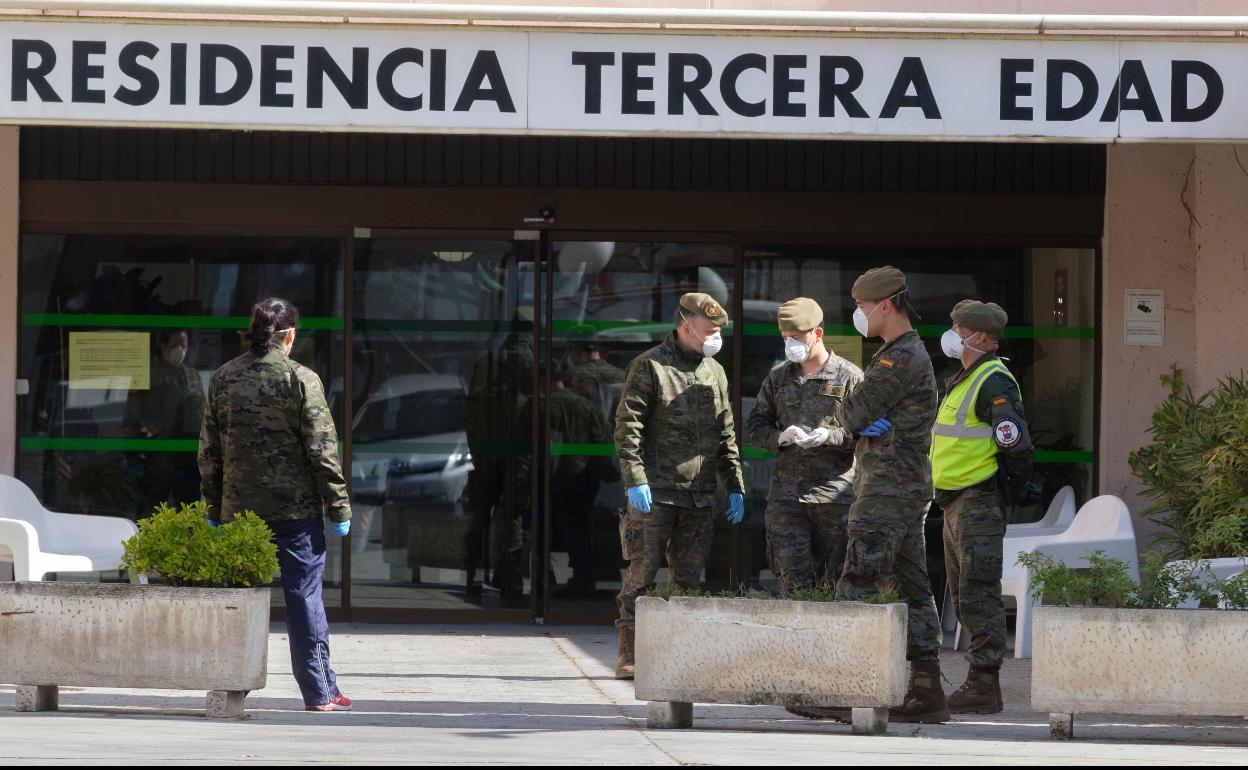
x=1196, y=468
x=180, y=546
x=1105, y=583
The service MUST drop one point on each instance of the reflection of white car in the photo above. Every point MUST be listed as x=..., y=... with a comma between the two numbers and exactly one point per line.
x=408, y=441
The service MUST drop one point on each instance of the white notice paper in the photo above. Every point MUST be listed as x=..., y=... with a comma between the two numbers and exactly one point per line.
x=1145, y=318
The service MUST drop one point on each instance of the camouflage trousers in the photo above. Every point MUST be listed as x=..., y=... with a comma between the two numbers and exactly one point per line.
x=680, y=535
x=886, y=550
x=806, y=542
x=974, y=528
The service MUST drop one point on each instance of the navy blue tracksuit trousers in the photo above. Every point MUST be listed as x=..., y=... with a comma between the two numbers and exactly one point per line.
x=301, y=554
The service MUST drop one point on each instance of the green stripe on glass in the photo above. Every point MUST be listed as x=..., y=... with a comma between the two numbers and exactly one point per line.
x=110, y=444
x=103, y=320
x=934, y=331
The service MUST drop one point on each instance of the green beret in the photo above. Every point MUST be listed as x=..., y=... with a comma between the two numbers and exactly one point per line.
x=979, y=316
x=878, y=283
x=799, y=315
x=704, y=305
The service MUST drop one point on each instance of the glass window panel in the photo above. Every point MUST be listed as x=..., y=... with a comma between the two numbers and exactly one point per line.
x=116, y=450
x=613, y=301
x=442, y=379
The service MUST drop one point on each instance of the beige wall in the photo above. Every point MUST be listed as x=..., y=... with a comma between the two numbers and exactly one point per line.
x=1176, y=219
x=8, y=296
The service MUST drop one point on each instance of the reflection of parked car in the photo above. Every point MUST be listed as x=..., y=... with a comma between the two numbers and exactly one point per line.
x=408, y=441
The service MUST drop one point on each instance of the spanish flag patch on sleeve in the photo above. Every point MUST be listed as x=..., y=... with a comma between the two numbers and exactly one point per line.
x=886, y=362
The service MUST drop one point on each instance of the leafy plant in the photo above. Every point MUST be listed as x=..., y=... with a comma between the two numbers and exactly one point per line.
x=670, y=590
x=1196, y=468
x=886, y=595
x=823, y=592
x=1105, y=583
x=180, y=546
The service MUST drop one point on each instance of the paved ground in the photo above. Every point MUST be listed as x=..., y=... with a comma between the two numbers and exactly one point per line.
x=528, y=694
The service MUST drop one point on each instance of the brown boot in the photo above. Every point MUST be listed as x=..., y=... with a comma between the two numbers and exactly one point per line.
x=979, y=694
x=625, y=666
x=925, y=700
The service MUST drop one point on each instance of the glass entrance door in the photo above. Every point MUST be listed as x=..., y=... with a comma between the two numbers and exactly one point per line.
x=442, y=381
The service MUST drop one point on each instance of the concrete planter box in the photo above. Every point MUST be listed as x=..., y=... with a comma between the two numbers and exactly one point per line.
x=1164, y=662
x=133, y=636
x=783, y=653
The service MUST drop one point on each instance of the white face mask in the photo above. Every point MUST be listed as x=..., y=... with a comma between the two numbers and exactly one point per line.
x=795, y=351
x=953, y=344
x=860, y=320
x=176, y=355
x=712, y=345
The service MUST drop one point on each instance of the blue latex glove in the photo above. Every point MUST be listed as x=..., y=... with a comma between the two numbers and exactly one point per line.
x=878, y=428
x=736, y=507
x=639, y=497
x=213, y=524
x=340, y=528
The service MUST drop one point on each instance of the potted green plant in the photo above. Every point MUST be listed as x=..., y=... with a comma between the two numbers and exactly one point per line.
x=1195, y=469
x=1103, y=644
x=804, y=651
x=205, y=628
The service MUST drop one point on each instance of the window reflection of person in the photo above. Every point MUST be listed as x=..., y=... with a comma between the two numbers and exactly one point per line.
x=171, y=408
x=500, y=443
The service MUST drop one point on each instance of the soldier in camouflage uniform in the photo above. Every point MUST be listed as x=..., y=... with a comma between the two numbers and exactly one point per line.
x=588, y=374
x=268, y=444
x=893, y=411
x=675, y=437
x=171, y=407
x=812, y=485
x=981, y=463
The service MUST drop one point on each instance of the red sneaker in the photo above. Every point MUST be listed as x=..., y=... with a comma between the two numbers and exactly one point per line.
x=339, y=702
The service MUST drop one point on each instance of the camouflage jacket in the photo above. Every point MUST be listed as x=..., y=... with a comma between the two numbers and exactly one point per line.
x=822, y=474
x=268, y=443
x=171, y=407
x=589, y=377
x=674, y=428
x=900, y=384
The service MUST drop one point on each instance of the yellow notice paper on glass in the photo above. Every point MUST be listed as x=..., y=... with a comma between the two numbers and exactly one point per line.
x=848, y=348
x=110, y=360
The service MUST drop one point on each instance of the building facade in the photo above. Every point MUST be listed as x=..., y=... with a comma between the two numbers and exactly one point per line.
x=484, y=222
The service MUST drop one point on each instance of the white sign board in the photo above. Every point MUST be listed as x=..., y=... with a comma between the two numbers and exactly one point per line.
x=411, y=79
x=1145, y=317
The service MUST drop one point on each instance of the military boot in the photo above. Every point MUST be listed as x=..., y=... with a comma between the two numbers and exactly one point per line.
x=979, y=694
x=925, y=700
x=625, y=665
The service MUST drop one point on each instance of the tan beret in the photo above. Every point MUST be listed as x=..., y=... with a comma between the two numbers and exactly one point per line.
x=980, y=316
x=878, y=283
x=705, y=305
x=799, y=315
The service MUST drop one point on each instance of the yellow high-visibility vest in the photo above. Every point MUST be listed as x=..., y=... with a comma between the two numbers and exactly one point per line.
x=964, y=451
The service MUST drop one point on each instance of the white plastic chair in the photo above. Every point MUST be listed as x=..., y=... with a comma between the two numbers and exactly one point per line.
x=1222, y=569
x=1058, y=516
x=1102, y=523
x=40, y=541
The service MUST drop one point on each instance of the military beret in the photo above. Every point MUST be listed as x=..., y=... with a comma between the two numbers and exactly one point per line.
x=799, y=315
x=878, y=283
x=584, y=335
x=704, y=305
x=980, y=316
